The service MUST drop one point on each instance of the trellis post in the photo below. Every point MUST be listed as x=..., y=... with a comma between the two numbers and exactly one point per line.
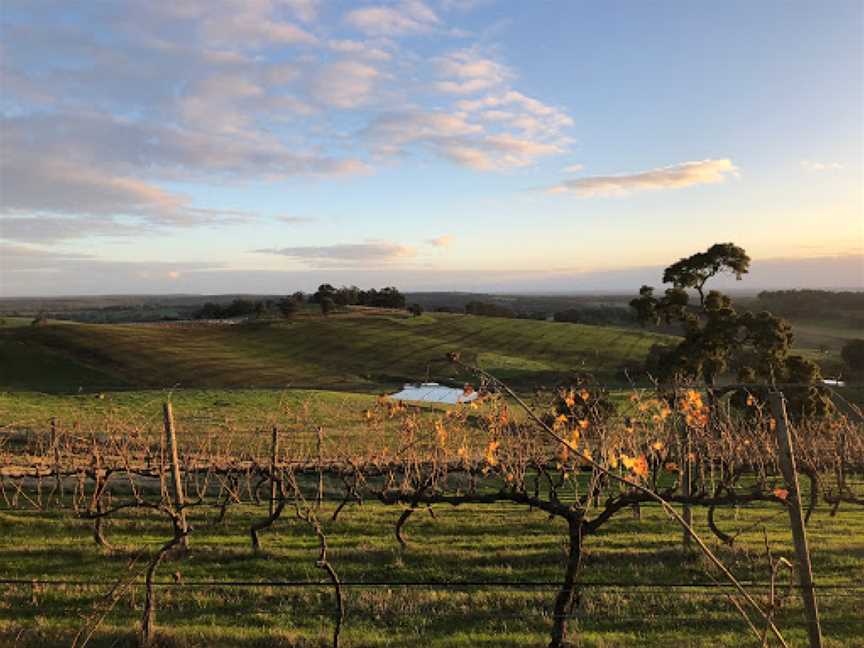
x=793, y=505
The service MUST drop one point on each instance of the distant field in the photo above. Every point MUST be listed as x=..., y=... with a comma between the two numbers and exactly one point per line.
x=351, y=352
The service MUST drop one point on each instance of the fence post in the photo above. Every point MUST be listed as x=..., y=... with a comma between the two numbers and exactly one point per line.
x=274, y=450
x=170, y=432
x=793, y=503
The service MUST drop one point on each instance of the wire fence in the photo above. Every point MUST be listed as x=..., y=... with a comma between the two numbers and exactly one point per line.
x=647, y=588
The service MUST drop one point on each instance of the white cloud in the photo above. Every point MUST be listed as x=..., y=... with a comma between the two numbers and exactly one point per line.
x=345, y=255
x=305, y=10
x=407, y=17
x=522, y=111
x=466, y=72
x=344, y=84
x=453, y=137
x=464, y=5
x=360, y=49
x=818, y=167
x=573, y=168
x=252, y=29
x=685, y=174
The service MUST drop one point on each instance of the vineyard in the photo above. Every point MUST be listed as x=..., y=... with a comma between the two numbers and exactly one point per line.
x=356, y=351
x=559, y=521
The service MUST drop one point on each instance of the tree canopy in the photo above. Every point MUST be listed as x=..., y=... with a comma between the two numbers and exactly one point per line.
x=716, y=337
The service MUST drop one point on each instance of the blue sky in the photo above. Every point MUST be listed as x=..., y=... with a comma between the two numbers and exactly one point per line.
x=270, y=145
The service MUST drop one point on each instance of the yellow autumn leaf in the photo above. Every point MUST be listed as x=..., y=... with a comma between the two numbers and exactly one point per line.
x=491, y=459
x=640, y=466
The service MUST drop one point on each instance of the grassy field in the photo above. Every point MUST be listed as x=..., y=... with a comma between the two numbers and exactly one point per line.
x=197, y=412
x=629, y=597
x=352, y=353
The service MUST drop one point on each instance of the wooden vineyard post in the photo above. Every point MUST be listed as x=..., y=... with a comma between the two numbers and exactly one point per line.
x=686, y=478
x=793, y=504
x=320, y=495
x=274, y=451
x=171, y=434
x=687, y=482
x=55, y=444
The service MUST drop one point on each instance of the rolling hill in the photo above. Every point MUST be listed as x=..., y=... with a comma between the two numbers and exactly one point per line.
x=358, y=351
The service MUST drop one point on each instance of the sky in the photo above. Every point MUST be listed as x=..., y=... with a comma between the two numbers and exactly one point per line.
x=268, y=146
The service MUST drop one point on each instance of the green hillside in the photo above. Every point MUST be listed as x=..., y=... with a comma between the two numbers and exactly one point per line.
x=351, y=352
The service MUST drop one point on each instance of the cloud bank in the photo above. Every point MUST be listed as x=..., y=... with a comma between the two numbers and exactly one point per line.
x=99, y=125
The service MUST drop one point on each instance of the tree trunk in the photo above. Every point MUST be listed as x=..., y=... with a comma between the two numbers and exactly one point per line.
x=567, y=597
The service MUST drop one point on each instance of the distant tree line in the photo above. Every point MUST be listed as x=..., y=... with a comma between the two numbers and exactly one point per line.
x=327, y=297
x=801, y=303
x=265, y=308
x=597, y=315
x=388, y=297
x=488, y=309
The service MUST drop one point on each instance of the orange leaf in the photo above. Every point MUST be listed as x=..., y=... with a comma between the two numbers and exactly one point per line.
x=640, y=466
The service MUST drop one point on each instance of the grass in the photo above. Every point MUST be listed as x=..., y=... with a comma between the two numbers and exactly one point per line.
x=352, y=352
x=198, y=412
x=502, y=543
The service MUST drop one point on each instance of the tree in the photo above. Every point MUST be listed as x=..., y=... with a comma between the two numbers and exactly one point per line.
x=853, y=355
x=327, y=305
x=715, y=336
x=288, y=307
x=694, y=271
x=324, y=290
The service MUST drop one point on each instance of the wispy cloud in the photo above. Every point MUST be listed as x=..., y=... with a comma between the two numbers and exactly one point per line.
x=374, y=51
x=345, y=255
x=454, y=137
x=407, y=17
x=573, y=168
x=467, y=72
x=446, y=240
x=294, y=220
x=344, y=84
x=263, y=91
x=676, y=176
x=820, y=167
